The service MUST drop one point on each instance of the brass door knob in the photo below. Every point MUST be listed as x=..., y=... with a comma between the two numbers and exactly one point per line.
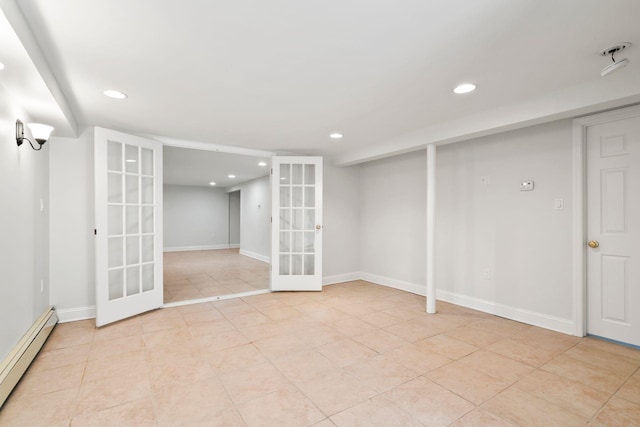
x=593, y=243
x=318, y=227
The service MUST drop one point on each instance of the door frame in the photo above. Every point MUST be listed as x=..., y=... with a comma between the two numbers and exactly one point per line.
x=579, y=207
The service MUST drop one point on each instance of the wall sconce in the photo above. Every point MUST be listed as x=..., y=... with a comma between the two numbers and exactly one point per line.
x=39, y=131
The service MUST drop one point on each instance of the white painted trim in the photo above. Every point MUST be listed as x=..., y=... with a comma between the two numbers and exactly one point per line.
x=78, y=313
x=518, y=314
x=199, y=248
x=207, y=146
x=234, y=246
x=414, y=288
x=430, y=264
x=217, y=298
x=579, y=263
x=255, y=255
x=341, y=278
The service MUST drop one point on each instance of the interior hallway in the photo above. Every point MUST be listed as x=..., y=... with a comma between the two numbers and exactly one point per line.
x=201, y=274
x=354, y=354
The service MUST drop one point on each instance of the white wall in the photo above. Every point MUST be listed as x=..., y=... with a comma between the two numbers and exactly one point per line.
x=234, y=219
x=24, y=245
x=255, y=217
x=340, y=254
x=195, y=217
x=72, y=221
x=392, y=218
x=517, y=236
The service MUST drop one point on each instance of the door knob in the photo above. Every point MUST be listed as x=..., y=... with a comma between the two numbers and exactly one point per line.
x=593, y=243
x=318, y=227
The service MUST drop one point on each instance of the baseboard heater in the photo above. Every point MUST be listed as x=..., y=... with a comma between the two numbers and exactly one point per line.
x=18, y=360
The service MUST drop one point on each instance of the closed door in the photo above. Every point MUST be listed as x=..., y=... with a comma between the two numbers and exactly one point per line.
x=613, y=223
x=296, y=232
x=128, y=185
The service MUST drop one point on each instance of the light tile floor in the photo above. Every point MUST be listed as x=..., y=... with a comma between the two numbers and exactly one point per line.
x=355, y=354
x=200, y=274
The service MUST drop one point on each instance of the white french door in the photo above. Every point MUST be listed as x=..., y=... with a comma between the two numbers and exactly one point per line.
x=296, y=230
x=128, y=203
x=613, y=230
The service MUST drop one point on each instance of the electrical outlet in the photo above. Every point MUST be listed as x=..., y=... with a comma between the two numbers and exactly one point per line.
x=486, y=179
x=526, y=185
x=486, y=274
x=558, y=204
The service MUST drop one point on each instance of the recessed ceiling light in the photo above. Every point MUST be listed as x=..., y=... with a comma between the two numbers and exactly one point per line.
x=131, y=160
x=231, y=176
x=282, y=178
x=262, y=164
x=1, y=66
x=336, y=135
x=212, y=183
x=465, y=88
x=114, y=94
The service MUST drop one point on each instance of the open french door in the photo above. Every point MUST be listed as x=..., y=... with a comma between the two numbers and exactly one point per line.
x=128, y=203
x=296, y=229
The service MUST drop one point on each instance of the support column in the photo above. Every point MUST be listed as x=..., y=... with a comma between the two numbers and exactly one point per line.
x=431, y=225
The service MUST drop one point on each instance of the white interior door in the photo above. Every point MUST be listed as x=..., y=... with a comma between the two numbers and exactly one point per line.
x=128, y=203
x=296, y=229
x=613, y=229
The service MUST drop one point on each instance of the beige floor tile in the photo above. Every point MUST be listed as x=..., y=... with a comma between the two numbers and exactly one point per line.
x=240, y=357
x=428, y=402
x=95, y=396
x=304, y=365
x=168, y=338
x=585, y=373
x=498, y=366
x=279, y=313
x=116, y=366
x=618, y=413
x=336, y=391
x=346, y=352
x=39, y=410
x=609, y=361
x=476, y=337
x=475, y=386
x=253, y=382
x=170, y=374
x=546, y=339
x=516, y=350
x=211, y=328
x=381, y=373
x=115, y=347
x=46, y=381
x=380, y=340
x=185, y=403
x=481, y=418
x=317, y=335
x=631, y=390
x=414, y=330
x=500, y=325
x=60, y=357
x=124, y=328
x=417, y=358
x=352, y=327
x=220, y=341
x=563, y=392
x=380, y=319
x=609, y=347
x=328, y=315
x=280, y=345
x=524, y=409
x=227, y=418
x=138, y=413
x=324, y=423
x=247, y=319
x=284, y=407
x=202, y=316
x=172, y=320
x=447, y=346
x=62, y=337
x=377, y=412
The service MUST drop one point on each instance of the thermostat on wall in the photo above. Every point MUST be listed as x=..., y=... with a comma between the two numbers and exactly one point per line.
x=526, y=186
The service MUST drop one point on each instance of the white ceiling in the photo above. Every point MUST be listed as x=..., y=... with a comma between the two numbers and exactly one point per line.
x=184, y=166
x=281, y=75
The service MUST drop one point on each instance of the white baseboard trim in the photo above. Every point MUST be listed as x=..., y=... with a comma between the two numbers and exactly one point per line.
x=234, y=246
x=414, y=288
x=78, y=313
x=197, y=248
x=255, y=256
x=518, y=314
x=341, y=278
